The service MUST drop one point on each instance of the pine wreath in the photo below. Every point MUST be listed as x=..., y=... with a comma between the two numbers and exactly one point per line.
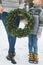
x=12, y=19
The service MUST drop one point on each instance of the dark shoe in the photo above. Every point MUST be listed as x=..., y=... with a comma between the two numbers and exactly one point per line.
x=11, y=58
x=13, y=61
x=8, y=58
x=14, y=54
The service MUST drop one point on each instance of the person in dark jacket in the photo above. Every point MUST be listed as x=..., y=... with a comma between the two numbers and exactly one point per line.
x=12, y=41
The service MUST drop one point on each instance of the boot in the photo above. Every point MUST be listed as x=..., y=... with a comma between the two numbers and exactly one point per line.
x=31, y=59
x=35, y=59
x=14, y=52
x=11, y=58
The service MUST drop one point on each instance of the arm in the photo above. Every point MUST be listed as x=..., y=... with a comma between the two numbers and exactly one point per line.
x=40, y=23
x=39, y=30
x=41, y=18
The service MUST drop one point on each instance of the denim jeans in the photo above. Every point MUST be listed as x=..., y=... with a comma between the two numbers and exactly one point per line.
x=10, y=38
x=33, y=44
x=12, y=42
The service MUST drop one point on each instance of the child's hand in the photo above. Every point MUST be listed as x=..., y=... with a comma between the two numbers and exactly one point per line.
x=25, y=23
x=38, y=36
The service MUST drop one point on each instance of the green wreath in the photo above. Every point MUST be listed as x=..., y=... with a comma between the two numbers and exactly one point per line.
x=12, y=29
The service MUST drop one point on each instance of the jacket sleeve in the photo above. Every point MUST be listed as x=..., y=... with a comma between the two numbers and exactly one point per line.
x=41, y=18
x=39, y=30
x=40, y=23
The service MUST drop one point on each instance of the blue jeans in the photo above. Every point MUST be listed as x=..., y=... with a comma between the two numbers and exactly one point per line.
x=33, y=44
x=10, y=38
x=12, y=42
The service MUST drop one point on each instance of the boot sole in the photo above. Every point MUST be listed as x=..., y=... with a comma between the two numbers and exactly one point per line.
x=31, y=61
x=35, y=62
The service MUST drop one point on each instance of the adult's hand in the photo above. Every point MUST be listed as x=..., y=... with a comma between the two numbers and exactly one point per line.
x=1, y=9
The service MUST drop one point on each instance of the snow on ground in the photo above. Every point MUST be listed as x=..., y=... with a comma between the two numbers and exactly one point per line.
x=21, y=49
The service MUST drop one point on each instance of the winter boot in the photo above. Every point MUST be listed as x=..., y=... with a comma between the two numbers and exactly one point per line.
x=14, y=52
x=11, y=58
x=35, y=59
x=31, y=59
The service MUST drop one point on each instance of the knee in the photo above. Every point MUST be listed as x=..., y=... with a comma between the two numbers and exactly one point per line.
x=30, y=45
x=35, y=46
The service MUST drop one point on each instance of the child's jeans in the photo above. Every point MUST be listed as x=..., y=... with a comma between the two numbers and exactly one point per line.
x=33, y=44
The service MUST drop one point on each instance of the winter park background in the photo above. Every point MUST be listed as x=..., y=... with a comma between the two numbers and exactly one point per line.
x=21, y=49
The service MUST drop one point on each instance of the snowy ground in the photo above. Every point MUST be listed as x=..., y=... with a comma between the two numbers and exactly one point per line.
x=21, y=49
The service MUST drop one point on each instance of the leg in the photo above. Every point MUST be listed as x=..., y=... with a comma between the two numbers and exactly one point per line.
x=11, y=43
x=35, y=49
x=35, y=44
x=30, y=48
x=11, y=49
x=30, y=43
